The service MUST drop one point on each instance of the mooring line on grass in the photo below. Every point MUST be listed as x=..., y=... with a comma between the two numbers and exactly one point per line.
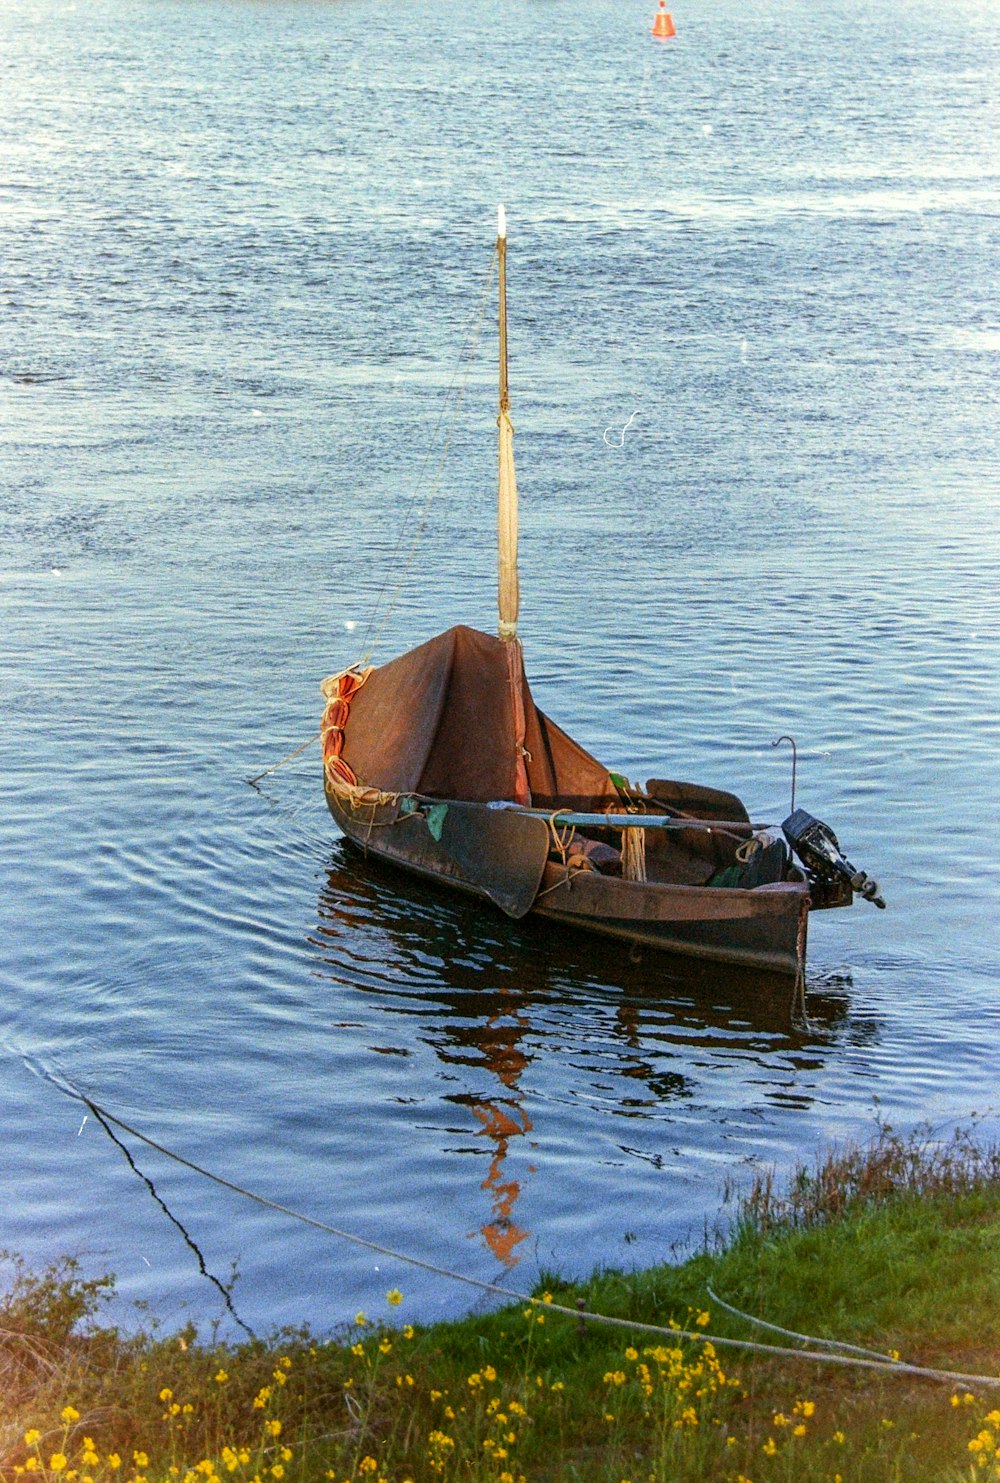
x=775, y=1328
x=885, y=1365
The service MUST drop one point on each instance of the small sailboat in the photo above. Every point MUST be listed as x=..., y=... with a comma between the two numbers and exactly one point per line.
x=441, y=762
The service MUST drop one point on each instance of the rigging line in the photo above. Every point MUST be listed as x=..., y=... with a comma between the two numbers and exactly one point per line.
x=189, y=1239
x=894, y=1367
x=466, y=356
x=469, y=344
x=268, y=770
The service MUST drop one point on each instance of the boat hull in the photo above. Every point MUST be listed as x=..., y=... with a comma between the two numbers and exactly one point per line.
x=502, y=857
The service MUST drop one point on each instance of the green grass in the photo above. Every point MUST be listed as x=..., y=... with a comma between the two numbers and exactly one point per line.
x=895, y=1247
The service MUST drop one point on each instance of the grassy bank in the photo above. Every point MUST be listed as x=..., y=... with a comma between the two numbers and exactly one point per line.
x=895, y=1247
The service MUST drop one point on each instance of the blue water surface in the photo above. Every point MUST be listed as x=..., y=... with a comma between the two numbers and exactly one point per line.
x=754, y=368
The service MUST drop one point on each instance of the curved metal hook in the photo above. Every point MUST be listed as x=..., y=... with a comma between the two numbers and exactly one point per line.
x=795, y=762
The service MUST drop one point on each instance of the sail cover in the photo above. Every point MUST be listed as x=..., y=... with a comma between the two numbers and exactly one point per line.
x=455, y=719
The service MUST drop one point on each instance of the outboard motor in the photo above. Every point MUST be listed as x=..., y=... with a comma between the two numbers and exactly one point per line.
x=819, y=850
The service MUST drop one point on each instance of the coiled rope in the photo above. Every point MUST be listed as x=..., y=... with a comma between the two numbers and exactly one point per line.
x=856, y=1360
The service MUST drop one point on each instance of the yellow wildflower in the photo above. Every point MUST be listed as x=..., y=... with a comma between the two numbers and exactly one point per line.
x=408, y=1331
x=166, y=1394
x=114, y=1461
x=32, y=1436
x=277, y=1471
x=68, y=1414
x=358, y=1350
x=800, y=1430
x=702, y=1319
x=31, y=1464
x=140, y=1459
x=384, y=1347
x=273, y=1427
x=770, y=1447
x=394, y=1297
x=57, y=1462
x=361, y=1319
x=221, y=1377
x=631, y=1354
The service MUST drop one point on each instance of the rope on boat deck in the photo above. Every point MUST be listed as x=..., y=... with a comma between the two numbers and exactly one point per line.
x=884, y=1364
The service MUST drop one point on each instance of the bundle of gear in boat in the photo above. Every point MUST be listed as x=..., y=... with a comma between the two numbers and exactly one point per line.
x=441, y=762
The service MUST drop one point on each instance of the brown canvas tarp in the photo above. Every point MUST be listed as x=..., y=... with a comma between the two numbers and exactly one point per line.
x=449, y=719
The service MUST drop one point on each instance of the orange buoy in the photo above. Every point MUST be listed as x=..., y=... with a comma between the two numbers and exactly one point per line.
x=663, y=22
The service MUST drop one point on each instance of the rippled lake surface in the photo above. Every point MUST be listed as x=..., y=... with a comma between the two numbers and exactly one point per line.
x=754, y=340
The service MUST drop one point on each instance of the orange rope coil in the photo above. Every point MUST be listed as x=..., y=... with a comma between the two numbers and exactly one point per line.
x=339, y=690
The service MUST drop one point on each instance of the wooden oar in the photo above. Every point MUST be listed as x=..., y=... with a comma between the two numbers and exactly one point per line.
x=649, y=821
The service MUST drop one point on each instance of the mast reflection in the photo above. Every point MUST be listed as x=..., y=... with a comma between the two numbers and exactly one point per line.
x=495, y=995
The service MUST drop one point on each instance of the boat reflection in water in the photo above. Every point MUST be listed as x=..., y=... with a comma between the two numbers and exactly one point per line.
x=553, y=1039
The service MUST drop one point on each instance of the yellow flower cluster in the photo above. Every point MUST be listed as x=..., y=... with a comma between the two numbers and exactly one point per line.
x=985, y=1447
x=439, y=1445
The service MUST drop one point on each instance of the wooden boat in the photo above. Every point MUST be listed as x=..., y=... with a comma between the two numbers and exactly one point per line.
x=440, y=762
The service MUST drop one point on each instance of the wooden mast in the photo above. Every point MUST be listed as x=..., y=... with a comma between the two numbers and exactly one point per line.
x=507, y=596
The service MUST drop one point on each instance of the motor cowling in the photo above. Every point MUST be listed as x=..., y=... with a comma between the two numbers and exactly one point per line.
x=819, y=850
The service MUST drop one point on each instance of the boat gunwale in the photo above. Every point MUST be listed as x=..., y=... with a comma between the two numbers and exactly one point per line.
x=356, y=830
